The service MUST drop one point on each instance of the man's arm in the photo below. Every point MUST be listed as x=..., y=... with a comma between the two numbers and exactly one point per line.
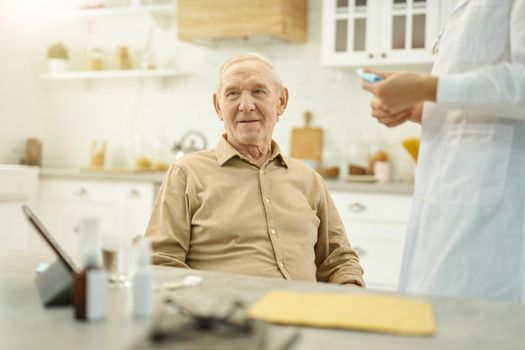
x=169, y=228
x=336, y=261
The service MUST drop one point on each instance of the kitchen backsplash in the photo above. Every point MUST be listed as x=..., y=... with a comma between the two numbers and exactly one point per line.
x=125, y=113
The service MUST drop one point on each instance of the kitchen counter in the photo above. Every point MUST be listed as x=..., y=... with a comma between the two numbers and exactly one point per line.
x=390, y=188
x=115, y=175
x=157, y=177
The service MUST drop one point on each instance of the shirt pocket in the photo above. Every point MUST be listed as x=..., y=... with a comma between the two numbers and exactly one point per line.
x=480, y=34
x=475, y=164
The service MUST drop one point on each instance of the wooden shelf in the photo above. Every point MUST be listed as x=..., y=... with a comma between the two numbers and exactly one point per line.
x=167, y=9
x=111, y=74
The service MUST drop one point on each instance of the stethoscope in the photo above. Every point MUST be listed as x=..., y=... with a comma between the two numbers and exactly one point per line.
x=460, y=6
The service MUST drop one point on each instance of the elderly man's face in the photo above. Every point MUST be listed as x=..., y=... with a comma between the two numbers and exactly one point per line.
x=249, y=102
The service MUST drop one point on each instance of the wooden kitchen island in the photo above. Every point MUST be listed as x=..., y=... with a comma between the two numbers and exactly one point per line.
x=25, y=324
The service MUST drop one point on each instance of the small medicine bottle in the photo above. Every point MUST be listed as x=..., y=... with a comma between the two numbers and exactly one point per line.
x=143, y=282
x=89, y=286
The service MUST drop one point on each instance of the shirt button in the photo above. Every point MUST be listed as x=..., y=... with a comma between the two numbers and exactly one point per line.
x=273, y=231
x=267, y=200
x=281, y=264
x=262, y=172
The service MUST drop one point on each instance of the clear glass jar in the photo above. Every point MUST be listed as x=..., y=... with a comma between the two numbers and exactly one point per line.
x=95, y=61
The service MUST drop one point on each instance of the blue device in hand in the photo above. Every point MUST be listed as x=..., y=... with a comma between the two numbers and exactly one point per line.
x=367, y=76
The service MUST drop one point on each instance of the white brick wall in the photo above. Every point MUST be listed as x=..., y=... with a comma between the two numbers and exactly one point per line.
x=123, y=111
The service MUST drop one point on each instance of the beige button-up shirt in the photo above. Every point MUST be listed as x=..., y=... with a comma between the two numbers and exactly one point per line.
x=217, y=211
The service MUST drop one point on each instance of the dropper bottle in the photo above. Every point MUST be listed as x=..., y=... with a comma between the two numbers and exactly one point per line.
x=89, y=286
x=143, y=282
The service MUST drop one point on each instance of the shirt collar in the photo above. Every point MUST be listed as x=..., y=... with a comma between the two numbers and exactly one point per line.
x=225, y=151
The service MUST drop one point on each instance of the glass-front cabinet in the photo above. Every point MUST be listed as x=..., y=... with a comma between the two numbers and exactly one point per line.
x=377, y=32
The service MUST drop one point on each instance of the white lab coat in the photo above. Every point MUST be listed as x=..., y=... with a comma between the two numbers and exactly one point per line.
x=466, y=234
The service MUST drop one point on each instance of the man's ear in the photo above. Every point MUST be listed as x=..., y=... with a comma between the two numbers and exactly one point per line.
x=283, y=101
x=216, y=105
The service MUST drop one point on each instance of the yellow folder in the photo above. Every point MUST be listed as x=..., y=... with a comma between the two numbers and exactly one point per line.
x=373, y=313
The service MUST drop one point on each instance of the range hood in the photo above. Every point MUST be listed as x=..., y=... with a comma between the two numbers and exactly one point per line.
x=223, y=19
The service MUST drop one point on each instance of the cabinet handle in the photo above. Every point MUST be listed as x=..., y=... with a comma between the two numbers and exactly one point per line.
x=133, y=193
x=360, y=251
x=383, y=55
x=81, y=192
x=357, y=207
x=370, y=55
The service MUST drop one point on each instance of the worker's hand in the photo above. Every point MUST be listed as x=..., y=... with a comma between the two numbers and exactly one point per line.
x=386, y=117
x=399, y=91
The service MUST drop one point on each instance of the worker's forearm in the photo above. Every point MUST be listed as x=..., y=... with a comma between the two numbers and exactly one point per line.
x=429, y=88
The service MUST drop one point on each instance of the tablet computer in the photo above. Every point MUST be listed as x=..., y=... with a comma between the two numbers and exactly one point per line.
x=61, y=254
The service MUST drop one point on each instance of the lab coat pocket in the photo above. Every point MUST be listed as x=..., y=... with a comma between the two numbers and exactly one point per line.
x=475, y=164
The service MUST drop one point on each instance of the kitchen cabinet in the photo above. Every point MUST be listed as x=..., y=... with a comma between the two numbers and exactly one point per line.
x=380, y=32
x=122, y=208
x=376, y=226
x=220, y=19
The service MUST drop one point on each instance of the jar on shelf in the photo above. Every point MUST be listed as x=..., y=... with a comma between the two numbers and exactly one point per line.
x=148, y=60
x=122, y=59
x=95, y=59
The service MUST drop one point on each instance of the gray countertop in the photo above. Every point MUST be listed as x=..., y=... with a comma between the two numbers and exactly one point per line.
x=25, y=324
x=156, y=177
x=112, y=175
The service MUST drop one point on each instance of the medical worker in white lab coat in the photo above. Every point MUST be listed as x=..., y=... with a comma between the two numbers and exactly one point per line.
x=466, y=235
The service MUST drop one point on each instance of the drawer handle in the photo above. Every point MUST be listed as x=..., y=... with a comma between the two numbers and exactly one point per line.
x=81, y=192
x=357, y=207
x=133, y=193
x=360, y=251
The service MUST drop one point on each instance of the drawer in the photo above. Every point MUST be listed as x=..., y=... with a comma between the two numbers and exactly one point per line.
x=372, y=207
x=77, y=190
x=97, y=190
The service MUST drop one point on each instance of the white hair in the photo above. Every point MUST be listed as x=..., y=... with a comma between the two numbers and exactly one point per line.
x=249, y=56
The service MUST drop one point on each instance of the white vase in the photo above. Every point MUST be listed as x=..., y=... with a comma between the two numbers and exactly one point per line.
x=57, y=65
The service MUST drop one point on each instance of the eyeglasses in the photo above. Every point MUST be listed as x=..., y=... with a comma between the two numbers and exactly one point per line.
x=178, y=323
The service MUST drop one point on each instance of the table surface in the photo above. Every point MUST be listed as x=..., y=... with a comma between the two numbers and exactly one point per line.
x=26, y=324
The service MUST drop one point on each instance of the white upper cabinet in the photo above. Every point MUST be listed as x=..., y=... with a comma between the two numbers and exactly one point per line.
x=380, y=32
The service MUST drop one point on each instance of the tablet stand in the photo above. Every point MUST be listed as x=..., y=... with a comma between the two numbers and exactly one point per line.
x=55, y=285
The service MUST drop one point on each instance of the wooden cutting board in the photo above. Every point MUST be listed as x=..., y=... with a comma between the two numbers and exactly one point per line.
x=307, y=143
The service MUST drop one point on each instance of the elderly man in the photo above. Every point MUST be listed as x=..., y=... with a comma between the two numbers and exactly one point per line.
x=244, y=207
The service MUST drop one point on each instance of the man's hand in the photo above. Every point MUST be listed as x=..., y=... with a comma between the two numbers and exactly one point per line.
x=386, y=117
x=396, y=95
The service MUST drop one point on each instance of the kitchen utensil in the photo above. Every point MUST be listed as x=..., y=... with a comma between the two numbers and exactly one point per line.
x=192, y=141
x=307, y=142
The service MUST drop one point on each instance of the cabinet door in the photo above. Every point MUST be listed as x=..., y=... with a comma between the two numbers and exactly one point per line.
x=409, y=29
x=380, y=249
x=349, y=34
x=135, y=206
x=372, y=207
